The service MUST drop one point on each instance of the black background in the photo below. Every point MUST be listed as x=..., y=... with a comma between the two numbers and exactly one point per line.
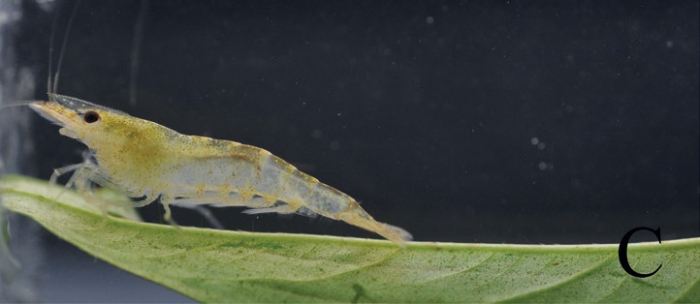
x=423, y=111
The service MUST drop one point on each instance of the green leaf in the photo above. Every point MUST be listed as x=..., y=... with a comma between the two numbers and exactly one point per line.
x=226, y=266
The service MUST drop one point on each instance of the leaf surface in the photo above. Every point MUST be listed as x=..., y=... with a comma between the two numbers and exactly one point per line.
x=231, y=266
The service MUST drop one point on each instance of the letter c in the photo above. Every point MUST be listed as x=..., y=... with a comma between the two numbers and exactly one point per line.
x=622, y=252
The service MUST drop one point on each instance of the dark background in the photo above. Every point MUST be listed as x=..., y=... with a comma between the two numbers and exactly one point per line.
x=429, y=113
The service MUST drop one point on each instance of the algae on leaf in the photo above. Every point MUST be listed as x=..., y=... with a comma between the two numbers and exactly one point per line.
x=226, y=266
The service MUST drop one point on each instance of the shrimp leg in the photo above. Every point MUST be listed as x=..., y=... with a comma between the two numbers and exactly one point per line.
x=63, y=170
x=79, y=180
x=204, y=212
x=82, y=179
x=196, y=204
x=282, y=209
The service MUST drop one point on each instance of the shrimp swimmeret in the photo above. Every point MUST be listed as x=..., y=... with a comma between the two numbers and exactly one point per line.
x=145, y=159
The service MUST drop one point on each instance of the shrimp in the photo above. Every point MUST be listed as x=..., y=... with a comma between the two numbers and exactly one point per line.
x=145, y=159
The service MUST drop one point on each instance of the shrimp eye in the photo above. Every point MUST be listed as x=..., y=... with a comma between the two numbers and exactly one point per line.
x=91, y=116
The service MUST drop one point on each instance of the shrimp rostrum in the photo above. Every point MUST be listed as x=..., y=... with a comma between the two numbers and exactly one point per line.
x=145, y=159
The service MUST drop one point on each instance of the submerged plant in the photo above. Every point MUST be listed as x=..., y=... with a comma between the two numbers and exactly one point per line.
x=229, y=266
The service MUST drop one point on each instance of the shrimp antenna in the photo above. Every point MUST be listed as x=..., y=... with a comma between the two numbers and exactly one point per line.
x=63, y=48
x=136, y=50
x=18, y=104
x=51, y=40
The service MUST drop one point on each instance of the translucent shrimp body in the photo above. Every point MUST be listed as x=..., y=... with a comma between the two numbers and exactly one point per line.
x=145, y=159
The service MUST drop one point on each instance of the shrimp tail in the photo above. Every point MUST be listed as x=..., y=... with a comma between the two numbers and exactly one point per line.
x=357, y=216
